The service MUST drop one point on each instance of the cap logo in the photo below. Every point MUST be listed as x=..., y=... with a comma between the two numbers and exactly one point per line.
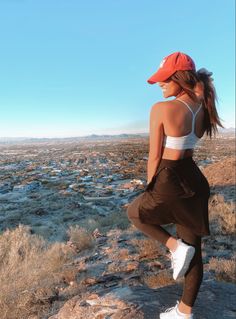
x=162, y=63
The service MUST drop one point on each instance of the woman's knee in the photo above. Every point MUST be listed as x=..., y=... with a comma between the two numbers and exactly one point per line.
x=131, y=213
x=133, y=210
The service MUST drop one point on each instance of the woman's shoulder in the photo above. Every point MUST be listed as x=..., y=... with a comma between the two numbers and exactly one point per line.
x=163, y=106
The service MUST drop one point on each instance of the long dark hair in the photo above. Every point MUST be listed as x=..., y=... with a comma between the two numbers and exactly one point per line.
x=191, y=81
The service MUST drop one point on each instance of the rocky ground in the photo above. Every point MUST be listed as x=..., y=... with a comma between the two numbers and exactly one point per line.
x=123, y=282
x=123, y=274
x=50, y=187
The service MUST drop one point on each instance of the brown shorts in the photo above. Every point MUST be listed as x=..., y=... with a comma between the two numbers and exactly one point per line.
x=178, y=193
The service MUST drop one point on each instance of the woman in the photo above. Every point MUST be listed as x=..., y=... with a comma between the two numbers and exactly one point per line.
x=177, y=191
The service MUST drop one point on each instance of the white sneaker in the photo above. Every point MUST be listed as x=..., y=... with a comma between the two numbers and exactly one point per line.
x=174, y=313
x=181, y=258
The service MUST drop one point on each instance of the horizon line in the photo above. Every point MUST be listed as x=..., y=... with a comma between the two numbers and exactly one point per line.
x=74, y=136
x=91, y=135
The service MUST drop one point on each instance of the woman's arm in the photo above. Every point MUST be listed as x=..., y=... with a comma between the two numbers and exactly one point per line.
x=156, y=134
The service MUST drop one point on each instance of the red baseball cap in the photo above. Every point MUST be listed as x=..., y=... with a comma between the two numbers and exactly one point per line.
x=176, y=61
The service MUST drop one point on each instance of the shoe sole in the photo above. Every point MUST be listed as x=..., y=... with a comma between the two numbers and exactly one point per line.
x=188, y=258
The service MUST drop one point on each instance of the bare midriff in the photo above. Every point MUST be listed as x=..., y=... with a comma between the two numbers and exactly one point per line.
x=172, y=154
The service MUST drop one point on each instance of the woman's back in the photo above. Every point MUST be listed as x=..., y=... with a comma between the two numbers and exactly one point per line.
x=183, y=125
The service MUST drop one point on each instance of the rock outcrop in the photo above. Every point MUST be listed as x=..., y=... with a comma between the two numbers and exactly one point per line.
x=216, y=301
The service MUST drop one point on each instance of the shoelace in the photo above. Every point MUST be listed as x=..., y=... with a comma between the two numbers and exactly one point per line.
x=172, y=308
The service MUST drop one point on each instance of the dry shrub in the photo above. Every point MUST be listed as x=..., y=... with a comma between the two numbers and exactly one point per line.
x=29, y=269
x=104, y=223
x=123, y=254
x=222, y=215
x=125, y=267
x=224, y=269
x=80, y=238
x=119, y=254
x=115, y=220
x=148, y=248
x=161, y=279
x=90, y=224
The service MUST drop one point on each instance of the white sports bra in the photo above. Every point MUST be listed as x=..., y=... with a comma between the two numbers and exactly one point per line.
x=183, y=142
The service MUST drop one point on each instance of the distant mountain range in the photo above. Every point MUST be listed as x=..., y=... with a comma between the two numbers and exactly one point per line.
x=10, y=140
x=227, y=130
x=92, y=137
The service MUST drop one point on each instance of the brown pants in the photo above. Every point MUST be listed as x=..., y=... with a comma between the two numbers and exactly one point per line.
x=177, y=194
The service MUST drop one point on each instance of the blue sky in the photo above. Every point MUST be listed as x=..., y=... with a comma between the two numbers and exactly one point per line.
x=72, y=68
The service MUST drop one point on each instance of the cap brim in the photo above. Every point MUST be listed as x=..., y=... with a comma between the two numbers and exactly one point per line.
x=160, y=76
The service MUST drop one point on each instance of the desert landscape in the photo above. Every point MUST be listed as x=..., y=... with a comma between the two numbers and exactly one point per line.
x=67, y=249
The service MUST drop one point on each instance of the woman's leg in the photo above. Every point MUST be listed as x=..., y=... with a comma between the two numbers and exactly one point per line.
x=194, y=275
x=153, y=231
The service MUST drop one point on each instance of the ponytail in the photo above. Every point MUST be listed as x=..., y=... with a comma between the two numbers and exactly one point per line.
x=199, y=85
x=209, y=99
